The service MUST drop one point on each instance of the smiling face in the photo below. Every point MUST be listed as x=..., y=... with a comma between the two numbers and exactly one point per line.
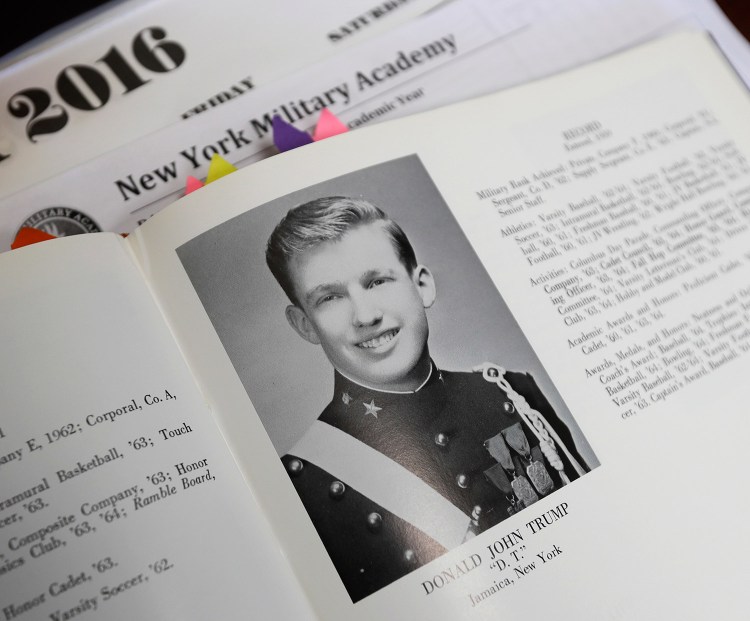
x=360, y=303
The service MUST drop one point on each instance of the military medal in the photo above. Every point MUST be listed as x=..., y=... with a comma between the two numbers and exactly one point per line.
x=496, y=475
x=535, y=470
x=523, y=490
x=539, y=476
x=522, y=494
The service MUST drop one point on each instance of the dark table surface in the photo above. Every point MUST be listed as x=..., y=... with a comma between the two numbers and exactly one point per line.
x=739, y=12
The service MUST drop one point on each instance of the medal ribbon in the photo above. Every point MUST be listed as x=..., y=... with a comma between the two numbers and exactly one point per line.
x=500, y=452
x=517, y=440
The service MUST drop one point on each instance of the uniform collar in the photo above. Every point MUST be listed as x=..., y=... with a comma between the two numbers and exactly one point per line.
x=348, y=392
x=362, y=388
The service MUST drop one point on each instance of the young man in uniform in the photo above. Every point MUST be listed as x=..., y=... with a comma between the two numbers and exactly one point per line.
x=408, y=460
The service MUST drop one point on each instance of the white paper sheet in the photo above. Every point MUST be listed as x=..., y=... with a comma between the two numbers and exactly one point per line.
x=497, y=45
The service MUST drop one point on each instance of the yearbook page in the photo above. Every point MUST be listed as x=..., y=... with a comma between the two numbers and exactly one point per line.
x=118, y=496
x=489, y=360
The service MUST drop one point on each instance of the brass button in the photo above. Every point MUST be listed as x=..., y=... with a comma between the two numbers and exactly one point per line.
x=295, y=467
x=374, y=522
x=336, y=490
x=509, y=407
x=476, y=512
x=410, y=556
x=441, y=440
x=463, y=481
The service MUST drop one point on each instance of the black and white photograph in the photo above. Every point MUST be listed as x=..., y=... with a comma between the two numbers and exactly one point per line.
x=406, y=405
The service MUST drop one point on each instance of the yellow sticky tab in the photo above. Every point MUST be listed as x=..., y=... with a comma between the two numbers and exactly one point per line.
x=218, y=168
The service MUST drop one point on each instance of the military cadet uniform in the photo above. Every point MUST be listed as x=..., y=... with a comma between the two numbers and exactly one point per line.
x=392, y=481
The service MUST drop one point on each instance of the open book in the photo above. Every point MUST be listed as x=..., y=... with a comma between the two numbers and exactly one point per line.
x=489, y=360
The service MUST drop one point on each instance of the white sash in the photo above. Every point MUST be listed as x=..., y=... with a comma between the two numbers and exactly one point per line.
x=383, y=481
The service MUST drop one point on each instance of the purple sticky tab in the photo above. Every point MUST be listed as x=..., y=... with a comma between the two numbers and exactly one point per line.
x=286, y=136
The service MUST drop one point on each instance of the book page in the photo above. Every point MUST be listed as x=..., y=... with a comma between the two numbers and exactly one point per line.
x=119, y=499
x=469, y=361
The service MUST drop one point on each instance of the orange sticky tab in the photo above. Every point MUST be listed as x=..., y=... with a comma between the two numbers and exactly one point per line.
x=28, y=235
x=218, y=168
x=328, y=125
x=192, y=184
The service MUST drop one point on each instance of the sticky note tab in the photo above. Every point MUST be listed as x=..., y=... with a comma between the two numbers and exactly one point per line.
x=328, y=125
x=286, y=136
x=218, y=168
x=192, y=184
x=28, y=235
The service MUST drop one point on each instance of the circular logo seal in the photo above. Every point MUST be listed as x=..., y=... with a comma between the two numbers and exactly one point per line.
x=61, y=221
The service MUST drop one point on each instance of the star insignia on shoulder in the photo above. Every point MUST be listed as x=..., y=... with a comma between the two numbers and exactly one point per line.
x=371, y=408
x=346, y=398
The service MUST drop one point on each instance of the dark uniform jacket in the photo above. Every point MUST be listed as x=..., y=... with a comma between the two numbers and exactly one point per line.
x=441, y=434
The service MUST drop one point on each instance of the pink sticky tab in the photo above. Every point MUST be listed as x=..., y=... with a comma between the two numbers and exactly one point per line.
x=328, y=125
x=192, y=184
x=218, y=168
x=286, y=136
